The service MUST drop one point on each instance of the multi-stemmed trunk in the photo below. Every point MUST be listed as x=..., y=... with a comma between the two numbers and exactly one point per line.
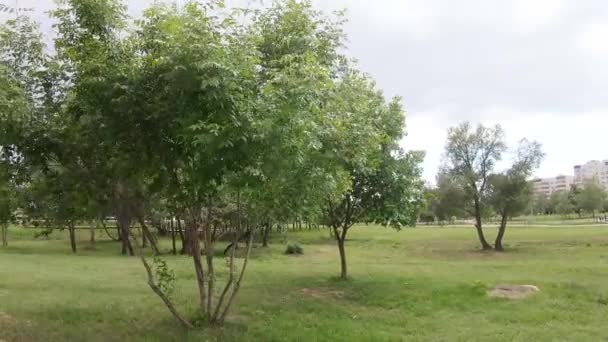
x=478, y=225
x=340, y=235
x=213, y=311
x=501, y=232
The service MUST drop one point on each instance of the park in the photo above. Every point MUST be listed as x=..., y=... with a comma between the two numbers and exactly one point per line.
x=416, y=284
x=210, y=172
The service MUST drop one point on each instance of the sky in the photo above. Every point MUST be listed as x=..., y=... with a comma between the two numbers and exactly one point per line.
x=539, y=68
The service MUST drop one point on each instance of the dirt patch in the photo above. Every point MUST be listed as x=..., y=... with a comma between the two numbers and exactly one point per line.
x=322, y=293
x=7, y=321
x=513, y=291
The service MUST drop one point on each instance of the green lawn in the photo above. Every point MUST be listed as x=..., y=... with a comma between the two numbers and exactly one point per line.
x=424, y=284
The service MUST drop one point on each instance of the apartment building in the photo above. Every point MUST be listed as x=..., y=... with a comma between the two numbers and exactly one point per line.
x=590, y=170
x=547, y=186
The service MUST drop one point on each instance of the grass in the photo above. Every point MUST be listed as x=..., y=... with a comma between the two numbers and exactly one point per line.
x=423, y=284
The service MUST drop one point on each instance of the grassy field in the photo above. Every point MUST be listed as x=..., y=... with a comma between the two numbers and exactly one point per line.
x=423, y=284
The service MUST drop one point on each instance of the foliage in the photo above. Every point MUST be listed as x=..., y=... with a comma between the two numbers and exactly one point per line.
x=165, y=276
x=591, y=197
x=229, y=121
x=470, y=157
x=294, y=248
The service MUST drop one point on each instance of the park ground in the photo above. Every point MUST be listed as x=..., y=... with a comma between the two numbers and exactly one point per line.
x=421, y=284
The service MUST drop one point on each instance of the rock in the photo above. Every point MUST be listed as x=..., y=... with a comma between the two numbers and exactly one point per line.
x=513, y=291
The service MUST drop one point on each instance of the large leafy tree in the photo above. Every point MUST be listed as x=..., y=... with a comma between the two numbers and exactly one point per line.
x=371, y=179
x=471, y=154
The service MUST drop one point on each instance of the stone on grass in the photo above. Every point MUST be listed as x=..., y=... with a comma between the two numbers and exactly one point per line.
x=513, y=291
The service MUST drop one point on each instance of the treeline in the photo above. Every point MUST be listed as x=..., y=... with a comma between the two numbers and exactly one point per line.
x=580, y=200
x=224, y=121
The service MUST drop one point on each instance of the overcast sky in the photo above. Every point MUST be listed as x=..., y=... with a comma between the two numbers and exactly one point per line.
x=537, y=67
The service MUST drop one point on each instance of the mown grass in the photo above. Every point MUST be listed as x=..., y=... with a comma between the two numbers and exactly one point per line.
x=423, y=284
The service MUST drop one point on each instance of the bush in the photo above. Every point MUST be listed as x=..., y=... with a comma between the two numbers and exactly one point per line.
x=294, y=248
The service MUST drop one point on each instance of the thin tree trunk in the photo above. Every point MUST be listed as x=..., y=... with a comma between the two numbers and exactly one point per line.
x=105, y=228
x=265, y=234
x=478, y=225
x=210, y=282
x=148, y=234
x=343, y=268
x=209, y=250
x=192, y=232
x=4, y=234
x=231, y=275
x=124, y=226
x=237, y=284
x=162, y=295
x=159, y=292
x=92, y=226
x=501, y=233
x=72, y=232
x=174, y=250
x=144, y=239
x=181, y=235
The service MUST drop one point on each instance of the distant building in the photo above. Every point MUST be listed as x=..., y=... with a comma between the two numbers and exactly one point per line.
x=547, y=186
x=592, y=169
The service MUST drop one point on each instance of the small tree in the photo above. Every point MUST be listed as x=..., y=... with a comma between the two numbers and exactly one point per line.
x=470, y=156
x=591, y=197
x=540, y=204
x=450, y=198
x=510, y=192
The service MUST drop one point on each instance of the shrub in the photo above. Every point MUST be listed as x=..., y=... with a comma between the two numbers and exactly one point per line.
x=294, y=248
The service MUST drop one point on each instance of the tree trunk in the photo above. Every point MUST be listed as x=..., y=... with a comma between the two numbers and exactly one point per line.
x=4, y=234
x=181, y=235
x=72, y=232
x=343, y=270
x=210, y=280
x=147, y=235
x=501, y=233
x=172, y=226
x=92, y=227
x=144, y=239
x=340, y=239
x=237, y=284
x=265, y=234
x=124, y=225
x=195, y=246
x=478, y=225
x=163, y=296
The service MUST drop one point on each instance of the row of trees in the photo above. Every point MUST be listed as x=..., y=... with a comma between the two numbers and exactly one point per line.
x=588, y=198
x=228, y=120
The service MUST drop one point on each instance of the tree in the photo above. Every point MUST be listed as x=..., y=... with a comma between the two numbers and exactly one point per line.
x=591, y=197
x=470, y=156
x=540, y=204
x=450, y=198
x=372, y=179
x=510, y=192
x=562, y=203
